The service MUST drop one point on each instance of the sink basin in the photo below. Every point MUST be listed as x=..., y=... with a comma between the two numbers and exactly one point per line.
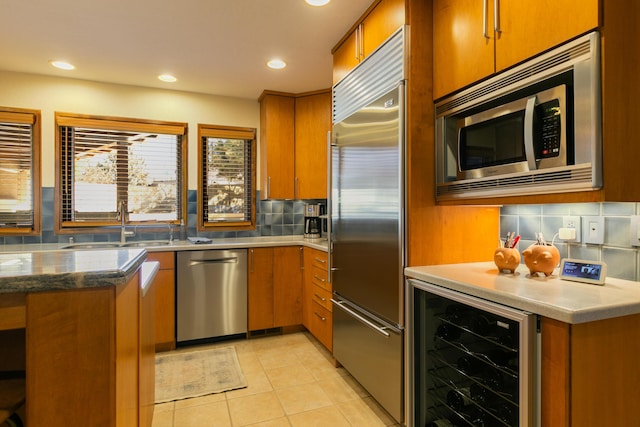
x=106, y=245
x=146, y=243
x=93, y=245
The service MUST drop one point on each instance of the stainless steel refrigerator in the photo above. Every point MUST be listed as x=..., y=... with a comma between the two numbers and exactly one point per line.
x=367, y=229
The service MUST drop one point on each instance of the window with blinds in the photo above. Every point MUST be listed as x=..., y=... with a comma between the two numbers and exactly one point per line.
x=226, y=159
x=19, y=171
x=106, y=161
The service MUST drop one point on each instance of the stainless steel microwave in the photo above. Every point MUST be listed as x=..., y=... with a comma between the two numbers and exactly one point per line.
x=533, y=129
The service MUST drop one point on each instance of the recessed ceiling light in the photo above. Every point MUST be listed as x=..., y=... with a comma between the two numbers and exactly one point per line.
x=167, y=78
x=276, y=64
x=62, y=65
x=317, y=2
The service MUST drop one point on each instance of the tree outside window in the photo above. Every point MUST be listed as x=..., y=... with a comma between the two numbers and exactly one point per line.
x=226, y=196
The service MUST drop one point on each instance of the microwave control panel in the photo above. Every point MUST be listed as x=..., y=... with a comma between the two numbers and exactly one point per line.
x=548, y=122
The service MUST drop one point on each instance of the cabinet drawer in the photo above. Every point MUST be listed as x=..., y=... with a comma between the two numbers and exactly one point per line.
x=166, y=259
x=321, y=325
x=319, y=277
x=319, y=259
x=321, y=296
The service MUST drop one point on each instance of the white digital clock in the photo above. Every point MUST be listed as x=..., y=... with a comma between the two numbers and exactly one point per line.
x=593, y=272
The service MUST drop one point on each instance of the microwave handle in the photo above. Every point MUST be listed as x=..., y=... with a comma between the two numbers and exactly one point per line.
x=528, y=133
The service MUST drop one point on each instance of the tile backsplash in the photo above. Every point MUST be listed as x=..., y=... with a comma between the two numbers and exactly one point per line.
x=621, y=258
x=273, y=218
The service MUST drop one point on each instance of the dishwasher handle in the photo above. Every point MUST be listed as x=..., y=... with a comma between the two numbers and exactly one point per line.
x=228, y=260
x=379, y=329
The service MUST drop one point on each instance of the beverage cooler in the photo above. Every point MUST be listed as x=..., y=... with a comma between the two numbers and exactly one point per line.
x=471, y=362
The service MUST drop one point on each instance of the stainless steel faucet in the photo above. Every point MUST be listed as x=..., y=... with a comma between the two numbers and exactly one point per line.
x=170, y=232
x=122, y=211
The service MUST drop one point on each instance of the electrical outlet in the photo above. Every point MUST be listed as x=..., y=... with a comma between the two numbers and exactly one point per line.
x=593, y=229
x=572, y=222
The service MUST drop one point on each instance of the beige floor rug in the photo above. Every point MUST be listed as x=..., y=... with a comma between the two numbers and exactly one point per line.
x=184, y=374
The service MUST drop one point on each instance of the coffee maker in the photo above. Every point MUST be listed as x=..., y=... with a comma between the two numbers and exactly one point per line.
x=312, y=223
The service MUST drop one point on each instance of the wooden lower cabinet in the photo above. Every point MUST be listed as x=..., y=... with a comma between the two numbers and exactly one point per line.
x=274, y=287
x=83, y=356
x=590, y=374
x=165, y=300
x=317, y=311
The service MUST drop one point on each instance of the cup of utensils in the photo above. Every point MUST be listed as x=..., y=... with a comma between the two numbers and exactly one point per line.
x=506, y=256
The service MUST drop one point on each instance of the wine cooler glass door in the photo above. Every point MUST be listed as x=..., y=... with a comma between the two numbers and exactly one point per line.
x=473, y=361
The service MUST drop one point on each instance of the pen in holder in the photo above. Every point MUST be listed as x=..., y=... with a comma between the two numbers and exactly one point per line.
x=507, y=257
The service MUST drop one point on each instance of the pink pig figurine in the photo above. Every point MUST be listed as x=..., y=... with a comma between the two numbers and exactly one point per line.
x=541, y=258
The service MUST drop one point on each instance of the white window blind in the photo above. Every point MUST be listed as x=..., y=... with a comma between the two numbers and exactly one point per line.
x=227, y=177
x=100, y=167
x=17, y=169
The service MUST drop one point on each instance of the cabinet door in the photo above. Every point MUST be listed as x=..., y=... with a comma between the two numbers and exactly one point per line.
x=276, y=146
x=165, y=300
x=528, y=28
x=287, y=286
x=260, y=288
x=381, y=23
x=313, y=121
x=461, y=53
x=346, y=57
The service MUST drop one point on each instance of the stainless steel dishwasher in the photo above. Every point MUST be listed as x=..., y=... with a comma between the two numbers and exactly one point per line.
x=211, y=295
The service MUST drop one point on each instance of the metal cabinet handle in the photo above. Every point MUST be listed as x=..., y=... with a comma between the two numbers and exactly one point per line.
x=329, y=185
x=361, y=40
x=320, y=260
x=496, y=16
x=300, y=251
x=320, y=298
x=484, y=19
x=380, y=330
x=356, y=52
x=319, y=278
x=252, y=257
x=268, y=187
x=320, y=317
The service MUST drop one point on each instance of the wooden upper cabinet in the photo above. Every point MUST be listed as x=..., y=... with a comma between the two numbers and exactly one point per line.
x=293, y=140
x=462, y=54
x=346, y=56
x=530, y=27
x=312, y=122
x=276, y=145
x=381, y=23
x=467, y=47
x=375, y=26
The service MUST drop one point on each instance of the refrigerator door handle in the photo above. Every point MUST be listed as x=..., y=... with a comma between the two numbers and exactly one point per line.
x=379, y=329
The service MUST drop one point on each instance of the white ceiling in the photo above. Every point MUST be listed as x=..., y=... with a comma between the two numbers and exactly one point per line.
x=212, y=46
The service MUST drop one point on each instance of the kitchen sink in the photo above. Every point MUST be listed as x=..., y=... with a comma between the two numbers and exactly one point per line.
x=106, y=245
x=146, y=243
x=93, y=245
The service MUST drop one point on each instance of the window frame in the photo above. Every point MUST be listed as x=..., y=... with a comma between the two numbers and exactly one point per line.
x=123, y=124
x=23, y=115
x=231, y=132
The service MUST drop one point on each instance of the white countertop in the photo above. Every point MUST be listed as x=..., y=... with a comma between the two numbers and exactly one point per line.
x=569, y=302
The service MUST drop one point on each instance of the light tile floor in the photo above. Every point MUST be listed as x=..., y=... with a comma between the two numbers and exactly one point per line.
x=292, y=382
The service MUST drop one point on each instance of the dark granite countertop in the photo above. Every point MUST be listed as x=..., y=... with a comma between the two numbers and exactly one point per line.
x=64, y=269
